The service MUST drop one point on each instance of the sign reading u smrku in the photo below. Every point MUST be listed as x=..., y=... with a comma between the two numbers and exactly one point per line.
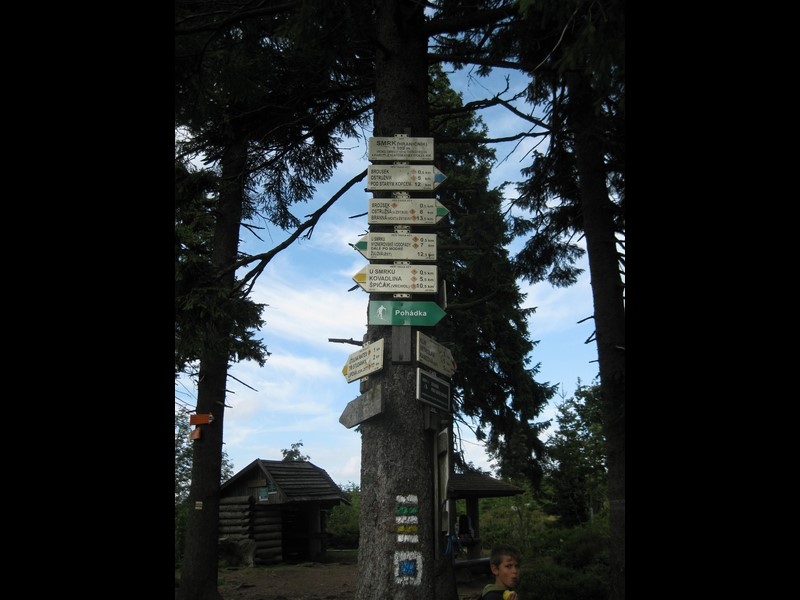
x=401, y=147
x=432, y=354
x=405, y=211
x=398, y=246
x=393, y=312
x=416, y=279
x=367, y=360
x=404, y=177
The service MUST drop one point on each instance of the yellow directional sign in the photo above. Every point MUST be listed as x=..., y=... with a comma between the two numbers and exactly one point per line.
x=367, y=360
x=395, y=279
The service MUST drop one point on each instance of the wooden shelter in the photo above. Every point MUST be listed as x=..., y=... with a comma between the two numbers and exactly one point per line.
x=471, y=487
x=281, y=506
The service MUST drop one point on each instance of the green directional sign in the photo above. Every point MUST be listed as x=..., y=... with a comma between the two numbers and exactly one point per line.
x=404, y=177
x=405, y=211
x=394, y=312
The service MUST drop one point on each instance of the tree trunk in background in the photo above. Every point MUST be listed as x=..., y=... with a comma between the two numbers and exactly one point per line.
x=199, y=567
x=609, y=309
x=397, y=456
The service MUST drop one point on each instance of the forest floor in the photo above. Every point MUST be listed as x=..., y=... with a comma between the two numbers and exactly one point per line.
x=335, y=579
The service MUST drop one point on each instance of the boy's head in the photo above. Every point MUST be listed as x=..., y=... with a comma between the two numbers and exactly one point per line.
x=504, y=563
x=498, y=552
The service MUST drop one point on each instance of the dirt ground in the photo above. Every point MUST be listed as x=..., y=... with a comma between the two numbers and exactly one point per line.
x=308, y=581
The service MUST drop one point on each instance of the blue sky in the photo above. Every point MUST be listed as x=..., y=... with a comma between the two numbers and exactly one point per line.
x=300, y=393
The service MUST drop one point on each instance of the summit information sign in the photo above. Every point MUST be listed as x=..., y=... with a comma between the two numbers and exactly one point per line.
x=401, y=148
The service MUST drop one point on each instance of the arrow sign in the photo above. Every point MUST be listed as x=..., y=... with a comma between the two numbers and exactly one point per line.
x=392, y=312
x=395, y=279
x=398, y=246
x=405, y=211
x=433, y=354
x=433, y=390
x=401, y=148
x=404, y=177
x=367, y=360
x=366, y=406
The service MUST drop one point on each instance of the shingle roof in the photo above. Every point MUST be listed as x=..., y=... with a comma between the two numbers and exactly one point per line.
x=298, y=481
x=478, y=485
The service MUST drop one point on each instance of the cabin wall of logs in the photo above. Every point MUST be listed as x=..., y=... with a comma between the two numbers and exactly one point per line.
x=240, y=518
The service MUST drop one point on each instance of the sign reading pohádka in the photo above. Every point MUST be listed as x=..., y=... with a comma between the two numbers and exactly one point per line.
x=398, y=246
x=394, y=312
x=395, y=279
x=367, y=360
x=401, y=148
x=405, y=211
x=434, y=355
x=404, y=177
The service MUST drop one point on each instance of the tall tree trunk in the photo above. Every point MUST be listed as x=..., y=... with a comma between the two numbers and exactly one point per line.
x=396, y=557
x=199, y=567
x=609, y=308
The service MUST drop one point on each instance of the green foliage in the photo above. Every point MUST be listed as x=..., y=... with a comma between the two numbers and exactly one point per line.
x=557, y=562
x=183, y=455
x=516, y=520
x=342, y=523
x=545, y=580
x=294, y=453
x=487, y=326
x=576, y=472
x=199, y=298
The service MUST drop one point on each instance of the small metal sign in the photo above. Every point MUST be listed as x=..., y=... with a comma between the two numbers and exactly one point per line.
x=432, y=390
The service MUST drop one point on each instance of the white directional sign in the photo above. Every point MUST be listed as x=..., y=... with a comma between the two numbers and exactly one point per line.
x=401, y=148
x=405, y=211
x=395, y=279
x=404, y=177
x=433, y=354
x=398, y=246
x=366, y=406
x=367, y=360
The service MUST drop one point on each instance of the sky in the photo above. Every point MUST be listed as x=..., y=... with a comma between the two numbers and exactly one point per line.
x=299, y=394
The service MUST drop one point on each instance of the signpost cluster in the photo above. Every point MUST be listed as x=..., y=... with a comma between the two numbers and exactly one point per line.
x=402, y=262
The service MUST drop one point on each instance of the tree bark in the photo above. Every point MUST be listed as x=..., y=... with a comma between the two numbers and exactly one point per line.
x=199, y=567
x=609, y=309
x=396, y=557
